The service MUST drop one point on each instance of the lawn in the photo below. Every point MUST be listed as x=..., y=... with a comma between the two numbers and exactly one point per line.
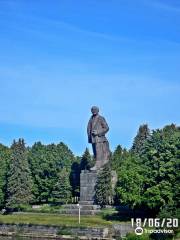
x=54, y=219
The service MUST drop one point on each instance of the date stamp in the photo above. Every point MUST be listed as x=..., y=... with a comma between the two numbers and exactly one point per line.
x=154, y=225
x=155, y=222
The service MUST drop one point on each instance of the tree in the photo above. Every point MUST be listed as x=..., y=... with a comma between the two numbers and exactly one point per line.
x=19, y=182
x=62, y=189
x=75, y=177
x=103, y=188
x=4, y=161
x=130, y=182
x=117, y=157
x=161, y=159
x=140, y=139
x=86, y=160
x=46, y=161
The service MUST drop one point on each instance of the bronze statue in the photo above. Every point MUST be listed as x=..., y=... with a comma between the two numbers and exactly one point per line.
x=96, y=130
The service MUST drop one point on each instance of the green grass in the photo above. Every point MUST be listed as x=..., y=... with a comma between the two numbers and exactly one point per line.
x=43, y=208
x=108, y=211
x=53, y=219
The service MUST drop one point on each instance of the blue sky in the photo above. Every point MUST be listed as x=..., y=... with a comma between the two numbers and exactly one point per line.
x=58, y=58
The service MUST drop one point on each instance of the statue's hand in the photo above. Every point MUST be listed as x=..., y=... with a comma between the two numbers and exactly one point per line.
x=94, y=132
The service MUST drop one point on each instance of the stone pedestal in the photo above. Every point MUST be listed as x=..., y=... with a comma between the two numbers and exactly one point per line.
x=88, y=181
x=87, y=186
x=87, y=203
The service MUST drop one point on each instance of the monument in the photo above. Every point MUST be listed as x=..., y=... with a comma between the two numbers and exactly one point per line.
x=96, y=130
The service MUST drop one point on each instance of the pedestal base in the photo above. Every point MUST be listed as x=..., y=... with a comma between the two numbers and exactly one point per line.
x=88, y=181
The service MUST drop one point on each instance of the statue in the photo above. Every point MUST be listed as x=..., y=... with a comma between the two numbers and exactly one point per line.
x=96, y=130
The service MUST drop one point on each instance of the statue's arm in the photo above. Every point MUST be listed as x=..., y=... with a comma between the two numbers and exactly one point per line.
x=104, y=129
x=89, y=131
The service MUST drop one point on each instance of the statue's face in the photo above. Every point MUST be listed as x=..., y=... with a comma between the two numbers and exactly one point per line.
x=94, y=110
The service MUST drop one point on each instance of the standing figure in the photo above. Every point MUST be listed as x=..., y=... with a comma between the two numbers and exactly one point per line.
x=96, y=130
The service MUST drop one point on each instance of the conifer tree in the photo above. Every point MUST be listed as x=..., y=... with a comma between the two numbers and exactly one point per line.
x=141, y=137
x=4, y=160
x=86, y=160
x=19, y=182
x=75, y=177
x=103, y=189
x=116, y=158
x=161, y=160
x=62, y=189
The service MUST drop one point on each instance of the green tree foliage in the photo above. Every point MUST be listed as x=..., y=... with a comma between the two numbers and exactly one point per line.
x=140, y=139
x=103, y=189
x=19, y=182
x=130, y=182
x=61, y=191
x=46, y=162
x=149, y=175
x=161, y=159
x=86, y=160
x=4, y=160
x=118, y=157
x=75, y=177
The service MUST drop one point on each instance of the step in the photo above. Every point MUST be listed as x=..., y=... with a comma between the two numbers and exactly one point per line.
x=86, y=202
x=76, y=212
x=83, y=207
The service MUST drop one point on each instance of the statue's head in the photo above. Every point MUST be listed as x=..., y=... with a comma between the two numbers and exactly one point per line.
x=95, y=110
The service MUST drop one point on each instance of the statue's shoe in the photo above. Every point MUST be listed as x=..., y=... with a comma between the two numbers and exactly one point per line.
x=93, y=168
